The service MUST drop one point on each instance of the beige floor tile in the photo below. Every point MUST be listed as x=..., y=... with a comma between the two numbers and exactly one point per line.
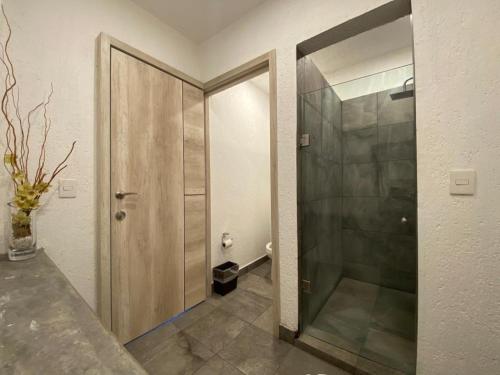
x=265, y=321
x=180, y=354
x=216, y=329
x=255, y=352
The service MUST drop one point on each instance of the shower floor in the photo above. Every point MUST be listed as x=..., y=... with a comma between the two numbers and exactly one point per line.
x=371, y=321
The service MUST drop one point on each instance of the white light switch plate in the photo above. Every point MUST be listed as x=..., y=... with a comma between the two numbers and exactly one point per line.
x=67, y=188
x=462, y=182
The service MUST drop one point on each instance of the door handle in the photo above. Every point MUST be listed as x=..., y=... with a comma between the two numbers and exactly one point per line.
x=121, y=194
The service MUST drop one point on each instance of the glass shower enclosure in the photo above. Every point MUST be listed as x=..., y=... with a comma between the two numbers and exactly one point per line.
x=357, y=216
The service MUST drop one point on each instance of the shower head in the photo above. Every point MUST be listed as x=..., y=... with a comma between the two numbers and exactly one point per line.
x=406, y=93
x=402, y=95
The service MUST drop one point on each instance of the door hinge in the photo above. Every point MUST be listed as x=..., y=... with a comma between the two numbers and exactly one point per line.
x=306, y=286
x=304, y=140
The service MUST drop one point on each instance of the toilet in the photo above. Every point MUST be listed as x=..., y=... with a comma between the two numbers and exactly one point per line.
x=269, y=250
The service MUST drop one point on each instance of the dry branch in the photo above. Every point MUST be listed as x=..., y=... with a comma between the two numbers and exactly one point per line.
x=17, y=136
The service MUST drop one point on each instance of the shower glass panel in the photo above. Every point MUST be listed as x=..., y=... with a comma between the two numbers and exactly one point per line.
x=357, y=215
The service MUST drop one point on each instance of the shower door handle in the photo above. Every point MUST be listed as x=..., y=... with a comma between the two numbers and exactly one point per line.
x=305, y=140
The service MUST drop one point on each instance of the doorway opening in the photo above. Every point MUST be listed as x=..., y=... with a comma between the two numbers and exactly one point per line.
x=240, y=109
x=240, y=192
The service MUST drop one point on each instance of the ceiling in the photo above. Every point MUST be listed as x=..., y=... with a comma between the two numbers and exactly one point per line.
x=363, y=47
x=198, y=19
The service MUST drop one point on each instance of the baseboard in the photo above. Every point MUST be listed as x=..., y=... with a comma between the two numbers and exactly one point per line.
x=287, y=335
x=252, y=265
x=349, y=362
x=329, y=353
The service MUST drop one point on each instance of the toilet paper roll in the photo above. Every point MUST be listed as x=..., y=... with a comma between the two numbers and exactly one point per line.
x=227, y=242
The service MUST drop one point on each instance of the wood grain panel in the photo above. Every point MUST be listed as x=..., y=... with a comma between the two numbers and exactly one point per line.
x=208, y=238
x=119, y=45
x=147, y=247
x=195, y=245
x=194, y=140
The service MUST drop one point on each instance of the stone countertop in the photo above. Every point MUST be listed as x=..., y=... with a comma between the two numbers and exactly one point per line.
x=47, y=328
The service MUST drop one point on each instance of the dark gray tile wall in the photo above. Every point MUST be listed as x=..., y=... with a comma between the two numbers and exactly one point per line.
x=360, y=180
x=357, y=181
x=360, y=146
x=378, y=190
x=320, y=195
x=359, y=113
x=309, y=78
x=396, y=142
x=394, y=111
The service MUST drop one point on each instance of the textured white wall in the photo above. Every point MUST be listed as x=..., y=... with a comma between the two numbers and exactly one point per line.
x=457, y=48
x=240, y=173
x=54, y=41
x=457, y=61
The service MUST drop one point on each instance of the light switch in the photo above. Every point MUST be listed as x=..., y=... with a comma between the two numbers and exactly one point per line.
x=462, y=182
x=67, y=188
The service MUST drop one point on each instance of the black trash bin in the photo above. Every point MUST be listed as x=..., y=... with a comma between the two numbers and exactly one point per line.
x=225, y=278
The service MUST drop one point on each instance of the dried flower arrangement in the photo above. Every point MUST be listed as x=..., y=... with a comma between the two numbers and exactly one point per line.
x=29, y=183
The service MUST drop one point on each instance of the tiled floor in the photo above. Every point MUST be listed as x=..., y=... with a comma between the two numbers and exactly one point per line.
x=227, y=335
x=374, y=322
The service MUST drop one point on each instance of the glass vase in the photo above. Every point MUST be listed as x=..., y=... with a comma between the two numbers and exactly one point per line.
x=22, y=233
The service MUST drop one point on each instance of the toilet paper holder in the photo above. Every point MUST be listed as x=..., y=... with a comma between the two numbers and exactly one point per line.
x=227, y=240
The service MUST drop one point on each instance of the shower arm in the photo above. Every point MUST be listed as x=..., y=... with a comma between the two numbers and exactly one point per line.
x=406, y=82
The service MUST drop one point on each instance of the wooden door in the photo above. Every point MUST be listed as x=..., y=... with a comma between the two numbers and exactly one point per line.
x=194, y=140
x=147, y=246
x=195, y=261
x=194, y=189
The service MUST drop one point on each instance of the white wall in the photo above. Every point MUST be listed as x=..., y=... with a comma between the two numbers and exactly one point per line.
x=457, y=48
x=375, y=83
x=388, y=61
x=457, y=55
x=379, y=74
x=373, y=51
x=240, y=172
x=54, y=41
